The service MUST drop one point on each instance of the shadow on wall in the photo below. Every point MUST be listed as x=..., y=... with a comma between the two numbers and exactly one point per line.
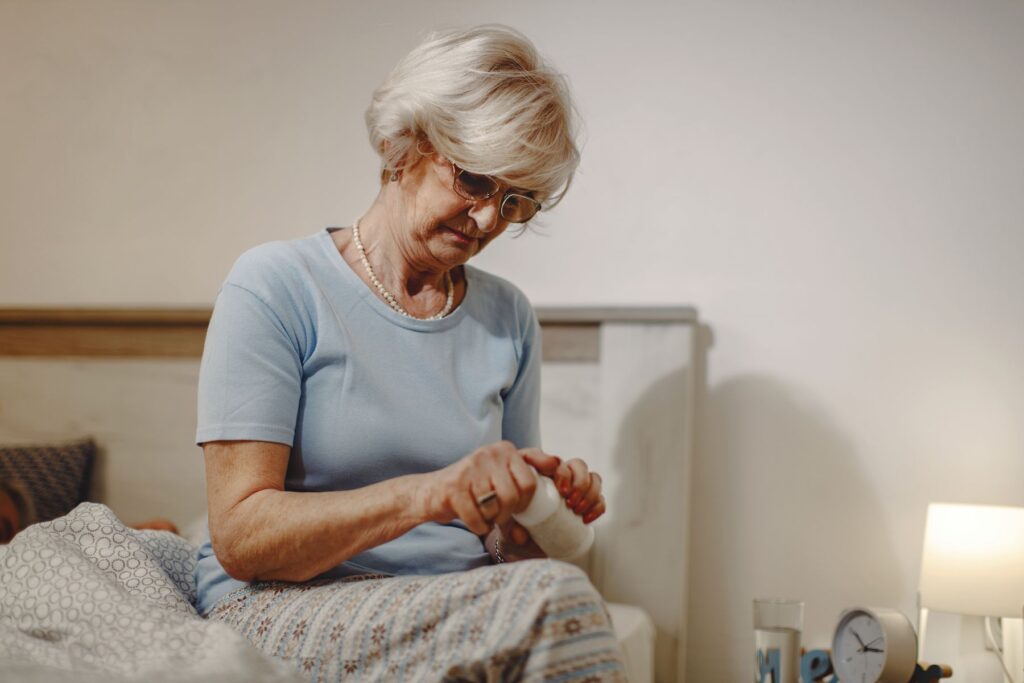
x=649, y=511
x=780, y=508
x=645, y=429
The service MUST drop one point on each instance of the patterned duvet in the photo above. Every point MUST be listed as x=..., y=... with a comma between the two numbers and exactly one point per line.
x=84, y=598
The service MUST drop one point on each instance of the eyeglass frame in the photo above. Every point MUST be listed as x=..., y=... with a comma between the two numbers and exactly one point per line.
x=456, y=172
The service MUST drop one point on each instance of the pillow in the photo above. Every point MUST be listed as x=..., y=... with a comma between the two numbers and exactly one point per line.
x=56, y=478
x=16, y=509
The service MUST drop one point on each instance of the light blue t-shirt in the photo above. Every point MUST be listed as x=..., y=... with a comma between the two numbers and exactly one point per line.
x=299, y=351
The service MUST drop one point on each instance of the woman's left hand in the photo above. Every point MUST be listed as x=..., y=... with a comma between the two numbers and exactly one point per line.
x=580, y=487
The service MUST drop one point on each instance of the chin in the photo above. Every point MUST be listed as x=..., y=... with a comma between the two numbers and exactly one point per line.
x=451, y=250
x=458, y=258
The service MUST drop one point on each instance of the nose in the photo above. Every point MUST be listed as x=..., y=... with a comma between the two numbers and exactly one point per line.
x=486, y=213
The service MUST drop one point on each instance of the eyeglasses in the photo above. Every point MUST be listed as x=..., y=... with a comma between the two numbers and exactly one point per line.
x=515, y=206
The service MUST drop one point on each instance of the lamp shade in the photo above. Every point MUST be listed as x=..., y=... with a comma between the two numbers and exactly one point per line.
x=973, y=560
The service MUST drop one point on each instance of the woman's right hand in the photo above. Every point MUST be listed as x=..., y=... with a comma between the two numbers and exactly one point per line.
x=498, y=467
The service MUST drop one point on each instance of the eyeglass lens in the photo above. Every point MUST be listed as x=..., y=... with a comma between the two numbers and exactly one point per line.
x=475, y=186
x=515, y=208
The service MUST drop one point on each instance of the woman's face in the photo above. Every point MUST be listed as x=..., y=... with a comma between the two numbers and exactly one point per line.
x=445, y=227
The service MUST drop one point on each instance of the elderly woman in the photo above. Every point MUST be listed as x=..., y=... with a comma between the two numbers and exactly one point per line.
x=368, y=404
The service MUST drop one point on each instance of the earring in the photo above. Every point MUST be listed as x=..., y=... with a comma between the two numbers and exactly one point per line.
x=394, y=176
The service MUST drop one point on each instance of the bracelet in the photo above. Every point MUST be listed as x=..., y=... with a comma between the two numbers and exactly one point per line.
x=497, y=552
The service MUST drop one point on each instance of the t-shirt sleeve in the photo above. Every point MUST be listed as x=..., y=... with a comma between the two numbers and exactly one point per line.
x=521, y=419
x=251, y=373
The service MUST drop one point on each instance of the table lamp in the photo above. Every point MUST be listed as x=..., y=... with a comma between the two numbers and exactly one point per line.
x=973, y=563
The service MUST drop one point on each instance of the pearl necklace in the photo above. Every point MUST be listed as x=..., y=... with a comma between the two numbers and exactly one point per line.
x=392, y=301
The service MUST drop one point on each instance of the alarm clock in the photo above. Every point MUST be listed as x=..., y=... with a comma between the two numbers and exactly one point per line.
x=874, y=645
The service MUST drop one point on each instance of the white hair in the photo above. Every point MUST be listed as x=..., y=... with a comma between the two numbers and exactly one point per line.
x=485, y=99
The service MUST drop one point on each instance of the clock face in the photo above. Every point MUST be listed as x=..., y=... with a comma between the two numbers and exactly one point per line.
x=859, y=649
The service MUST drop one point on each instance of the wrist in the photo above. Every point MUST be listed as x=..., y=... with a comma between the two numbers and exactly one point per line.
x=422, y=498
x=428, y=501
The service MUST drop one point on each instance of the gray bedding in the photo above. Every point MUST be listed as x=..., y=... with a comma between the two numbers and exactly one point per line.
x=85, y=598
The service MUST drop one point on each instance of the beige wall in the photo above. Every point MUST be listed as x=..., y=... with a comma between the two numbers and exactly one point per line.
x=837, y=186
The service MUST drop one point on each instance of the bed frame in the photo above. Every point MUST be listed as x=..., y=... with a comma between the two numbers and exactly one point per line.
x=618, y=390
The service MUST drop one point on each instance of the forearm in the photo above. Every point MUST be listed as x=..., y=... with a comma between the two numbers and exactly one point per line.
x=294, y=536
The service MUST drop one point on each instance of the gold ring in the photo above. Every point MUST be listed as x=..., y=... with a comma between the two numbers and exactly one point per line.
x=487, y=499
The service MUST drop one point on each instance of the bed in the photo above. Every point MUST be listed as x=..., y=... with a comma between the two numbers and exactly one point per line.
x=619, y=388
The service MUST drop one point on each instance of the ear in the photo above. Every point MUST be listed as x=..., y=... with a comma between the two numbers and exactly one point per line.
x=420, y=149
x=424, y=147
x=386, y=152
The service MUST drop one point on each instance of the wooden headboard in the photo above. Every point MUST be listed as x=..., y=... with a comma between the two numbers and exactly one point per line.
x=618, y=391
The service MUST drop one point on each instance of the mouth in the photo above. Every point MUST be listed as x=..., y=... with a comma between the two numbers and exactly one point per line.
x=461, y=237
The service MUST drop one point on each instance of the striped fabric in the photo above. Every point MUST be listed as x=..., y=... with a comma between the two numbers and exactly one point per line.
x=536, y=620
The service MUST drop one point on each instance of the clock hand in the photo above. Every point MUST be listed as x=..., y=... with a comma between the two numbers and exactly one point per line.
x=872, y=649
x=874, y=641
x=857, y=637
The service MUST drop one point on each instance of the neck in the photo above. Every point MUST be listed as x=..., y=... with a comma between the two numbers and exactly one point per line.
x=395, y=261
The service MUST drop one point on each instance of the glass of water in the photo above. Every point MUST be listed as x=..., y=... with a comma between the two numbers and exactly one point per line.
x=777, y=627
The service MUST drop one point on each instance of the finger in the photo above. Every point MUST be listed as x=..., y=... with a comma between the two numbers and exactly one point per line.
x=466, y=509
x=583, y=507
x=543, y=462
x=488, y=501
x=525, y=481
x=489, y=457
x=563, y=479
x=515, y=533
x=488, y=505
x=595, y=512
x=591, y=498
x=580, y=480
x=581, y=490
x=508, y=495
x=519, y=534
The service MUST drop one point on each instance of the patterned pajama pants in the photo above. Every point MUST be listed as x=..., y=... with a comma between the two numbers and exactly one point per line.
x=536, y=620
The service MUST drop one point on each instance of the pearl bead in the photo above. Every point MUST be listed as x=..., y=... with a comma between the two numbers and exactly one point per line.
x=387, y=295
